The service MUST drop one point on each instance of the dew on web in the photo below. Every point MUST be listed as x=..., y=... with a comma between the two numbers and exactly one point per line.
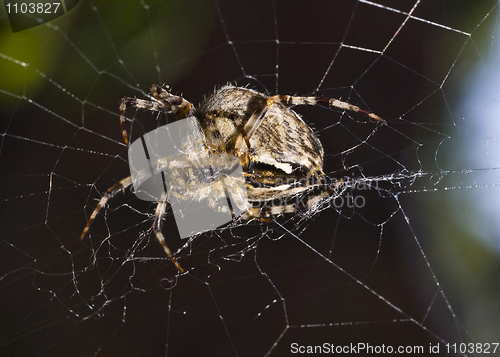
x=407, y=255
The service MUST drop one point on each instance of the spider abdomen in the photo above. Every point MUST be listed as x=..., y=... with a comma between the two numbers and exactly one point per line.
x=278, y=136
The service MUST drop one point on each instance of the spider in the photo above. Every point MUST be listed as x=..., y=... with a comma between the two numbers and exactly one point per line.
x=281, y=157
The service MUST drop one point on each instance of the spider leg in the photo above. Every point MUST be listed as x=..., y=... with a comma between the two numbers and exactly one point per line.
x=327, y=102
x=161, y=101
x=157, y=225
x=108, y=195
x=153, y=105
x=159, y=213
x=305, y=200
x=230, y=144
x=176, y=104
x=215, y=133
x=255, y=120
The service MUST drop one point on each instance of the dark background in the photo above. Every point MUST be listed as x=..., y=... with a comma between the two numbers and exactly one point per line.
x=368, y=275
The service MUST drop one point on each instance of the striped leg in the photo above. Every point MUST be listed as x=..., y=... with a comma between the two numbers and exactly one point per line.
x=327, y=102
x=110, y=193
x=305, y=200
x=162, y=101
x=157, y=225
x=160, y=211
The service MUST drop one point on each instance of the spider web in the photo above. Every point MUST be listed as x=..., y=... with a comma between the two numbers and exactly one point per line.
x=407, y=256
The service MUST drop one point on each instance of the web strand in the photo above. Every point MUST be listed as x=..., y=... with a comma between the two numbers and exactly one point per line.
x=392, y=255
